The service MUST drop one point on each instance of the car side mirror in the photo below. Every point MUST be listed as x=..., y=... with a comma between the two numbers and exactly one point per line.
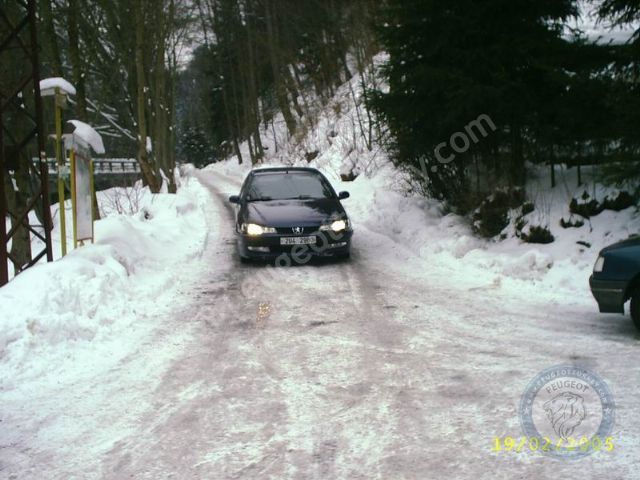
x=234, y=199
x=343, y=195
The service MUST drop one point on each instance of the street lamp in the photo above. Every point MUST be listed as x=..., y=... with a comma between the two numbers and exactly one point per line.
x=60, y=89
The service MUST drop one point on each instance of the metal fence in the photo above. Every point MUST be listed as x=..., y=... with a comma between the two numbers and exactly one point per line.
x=105, y=166
x=21, y=137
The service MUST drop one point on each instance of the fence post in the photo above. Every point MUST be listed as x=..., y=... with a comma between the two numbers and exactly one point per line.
x=4, y=268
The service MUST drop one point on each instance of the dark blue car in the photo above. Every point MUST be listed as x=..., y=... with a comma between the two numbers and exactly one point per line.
x=616, y=278
x=290, y=214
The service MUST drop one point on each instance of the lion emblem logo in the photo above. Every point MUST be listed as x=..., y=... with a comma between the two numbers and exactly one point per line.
x=565, y=413
x=565, y=402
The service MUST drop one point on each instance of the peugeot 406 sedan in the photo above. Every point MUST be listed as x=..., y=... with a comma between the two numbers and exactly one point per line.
x=616, y=278
x=290, y=214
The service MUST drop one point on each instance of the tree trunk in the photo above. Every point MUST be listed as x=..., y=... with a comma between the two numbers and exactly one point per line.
x=280, y=87
x=253, y=94
x=236, y=148
x=288, y=78
x=159, y=107
x=79, y=73
x=230, y=124
x=143, y=158
x=171, y=99
x=517, y=156
x=51, y=37
x=76, y=60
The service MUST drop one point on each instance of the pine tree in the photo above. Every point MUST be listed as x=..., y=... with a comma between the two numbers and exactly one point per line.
x=452, y=62
x=625, y=95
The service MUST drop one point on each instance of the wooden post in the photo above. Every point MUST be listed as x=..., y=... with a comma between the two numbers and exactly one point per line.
x=4, y=269
x=61, y=161
x=72, y=156
x=93, y=195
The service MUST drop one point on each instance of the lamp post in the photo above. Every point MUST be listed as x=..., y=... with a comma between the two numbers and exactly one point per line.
x=60, y=89
x=60, y=103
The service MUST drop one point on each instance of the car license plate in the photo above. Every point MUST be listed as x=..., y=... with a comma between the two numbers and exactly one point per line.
x=298, y=241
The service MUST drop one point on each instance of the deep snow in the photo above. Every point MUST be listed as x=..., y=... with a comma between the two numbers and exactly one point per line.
x=398, y=364
x=82, y=313
x=155, y=354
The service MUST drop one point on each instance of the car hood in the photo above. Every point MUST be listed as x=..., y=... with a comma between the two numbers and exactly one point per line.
x=291, y=213
x=630, y=242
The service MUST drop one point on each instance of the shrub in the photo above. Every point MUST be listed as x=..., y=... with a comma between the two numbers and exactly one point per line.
x=527, y=208
x=493, y=214
x=623, y=201
x=311, y=156
x=585, y=206
x=571, y=223
x=538, y=234
x=588, y=207
x=348, y=177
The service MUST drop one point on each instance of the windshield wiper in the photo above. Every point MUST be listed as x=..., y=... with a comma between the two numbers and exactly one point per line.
x=259, y=199
x=299, y=197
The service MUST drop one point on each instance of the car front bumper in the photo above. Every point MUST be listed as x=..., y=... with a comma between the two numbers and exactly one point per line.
x=269, y=247
x=610, y=294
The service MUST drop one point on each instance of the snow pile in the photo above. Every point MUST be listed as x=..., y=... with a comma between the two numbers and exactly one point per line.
x=445, y=242
x=91, y=308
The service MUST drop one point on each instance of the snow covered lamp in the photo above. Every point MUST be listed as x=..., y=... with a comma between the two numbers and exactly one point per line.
x=56, y=86
x=80, y=139
x=60, y=89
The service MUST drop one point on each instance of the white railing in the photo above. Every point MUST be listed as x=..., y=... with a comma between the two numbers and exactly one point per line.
x=104, y=166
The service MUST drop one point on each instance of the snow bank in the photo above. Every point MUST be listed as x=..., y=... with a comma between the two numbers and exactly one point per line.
x=445, y=242
x=91, y=308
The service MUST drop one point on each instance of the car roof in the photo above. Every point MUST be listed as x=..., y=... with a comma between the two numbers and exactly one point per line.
x=266, y=170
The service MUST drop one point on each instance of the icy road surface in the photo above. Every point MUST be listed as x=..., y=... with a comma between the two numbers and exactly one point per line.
x=383, y=367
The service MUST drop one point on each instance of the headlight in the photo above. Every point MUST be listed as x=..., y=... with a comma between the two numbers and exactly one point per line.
x=255, y=230
x=599, y=266
x=337, y=226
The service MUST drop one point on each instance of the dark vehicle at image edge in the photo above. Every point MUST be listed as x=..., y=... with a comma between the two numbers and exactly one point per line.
x=616, y=278
x=292, y=211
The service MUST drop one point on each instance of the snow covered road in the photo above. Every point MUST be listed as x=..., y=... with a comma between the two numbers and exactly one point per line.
x=381, y=367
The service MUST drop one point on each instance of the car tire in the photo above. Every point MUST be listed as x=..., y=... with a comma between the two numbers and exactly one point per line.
x=244, y=260
x=635, y=307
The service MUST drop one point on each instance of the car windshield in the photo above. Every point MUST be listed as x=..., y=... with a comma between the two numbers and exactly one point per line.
x=288, y=186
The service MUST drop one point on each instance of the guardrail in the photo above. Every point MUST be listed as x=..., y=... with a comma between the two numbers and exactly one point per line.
x=105, y=166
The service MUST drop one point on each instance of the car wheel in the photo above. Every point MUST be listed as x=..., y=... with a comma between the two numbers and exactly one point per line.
x=635, y=307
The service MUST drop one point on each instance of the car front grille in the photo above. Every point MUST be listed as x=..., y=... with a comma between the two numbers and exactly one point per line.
x=297, y=230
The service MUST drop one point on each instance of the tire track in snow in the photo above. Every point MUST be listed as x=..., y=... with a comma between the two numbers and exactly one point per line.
x=266, y=403
x=354, y=370
x=368, y=339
